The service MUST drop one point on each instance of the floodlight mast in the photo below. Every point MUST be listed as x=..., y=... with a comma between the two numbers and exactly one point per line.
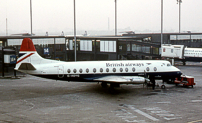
x=161, y=23
x=31, y=15
x=75, y=30
x=179, y=1
x=115, y=17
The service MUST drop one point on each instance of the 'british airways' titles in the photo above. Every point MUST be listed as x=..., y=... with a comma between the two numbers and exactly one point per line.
x=122, y=65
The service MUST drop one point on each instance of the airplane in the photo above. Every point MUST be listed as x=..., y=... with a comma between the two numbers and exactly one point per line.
x=107, y=72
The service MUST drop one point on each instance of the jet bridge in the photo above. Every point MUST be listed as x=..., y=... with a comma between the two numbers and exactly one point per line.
x=172, y=51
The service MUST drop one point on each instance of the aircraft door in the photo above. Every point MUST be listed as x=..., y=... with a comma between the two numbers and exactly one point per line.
x=60, y=71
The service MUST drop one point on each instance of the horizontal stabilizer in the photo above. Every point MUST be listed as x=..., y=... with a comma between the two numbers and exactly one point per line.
x=26, y=66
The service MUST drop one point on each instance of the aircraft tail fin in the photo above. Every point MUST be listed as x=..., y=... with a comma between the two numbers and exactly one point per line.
x=28, y=56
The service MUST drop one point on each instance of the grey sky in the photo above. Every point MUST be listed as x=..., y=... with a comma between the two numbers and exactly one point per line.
x=57, y=15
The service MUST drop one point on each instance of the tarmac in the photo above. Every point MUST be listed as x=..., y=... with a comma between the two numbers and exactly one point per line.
x=32, y=99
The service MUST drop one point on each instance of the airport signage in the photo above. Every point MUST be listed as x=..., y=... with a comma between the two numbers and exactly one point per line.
x=12, y=59
x=46, y=51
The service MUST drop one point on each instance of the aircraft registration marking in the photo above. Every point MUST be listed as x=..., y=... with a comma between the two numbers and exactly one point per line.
x=73, y=75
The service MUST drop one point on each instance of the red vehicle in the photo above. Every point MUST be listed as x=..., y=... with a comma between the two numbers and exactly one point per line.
x=185, y=81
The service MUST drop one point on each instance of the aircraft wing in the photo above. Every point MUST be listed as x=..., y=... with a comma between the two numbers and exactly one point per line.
x=122, y=79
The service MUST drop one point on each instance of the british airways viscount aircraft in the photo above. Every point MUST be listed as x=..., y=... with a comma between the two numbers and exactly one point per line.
x=112, y=72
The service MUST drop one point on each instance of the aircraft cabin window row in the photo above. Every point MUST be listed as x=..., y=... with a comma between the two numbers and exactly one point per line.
x=101, y=70
x=107, y=69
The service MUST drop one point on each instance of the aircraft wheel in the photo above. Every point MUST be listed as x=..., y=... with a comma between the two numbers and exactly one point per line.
x=163, y=86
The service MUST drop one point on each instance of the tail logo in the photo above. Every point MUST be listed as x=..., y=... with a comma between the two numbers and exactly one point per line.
x=24, y=58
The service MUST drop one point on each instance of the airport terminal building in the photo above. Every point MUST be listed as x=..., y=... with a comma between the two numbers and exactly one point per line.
x=124, y=47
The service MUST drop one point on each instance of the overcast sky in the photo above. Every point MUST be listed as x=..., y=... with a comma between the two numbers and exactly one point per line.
x=57, y=15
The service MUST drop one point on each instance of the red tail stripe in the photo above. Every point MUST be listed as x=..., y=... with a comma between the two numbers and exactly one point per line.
x=25, y=58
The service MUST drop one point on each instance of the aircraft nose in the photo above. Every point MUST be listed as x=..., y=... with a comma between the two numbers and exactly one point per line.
x=179, y=72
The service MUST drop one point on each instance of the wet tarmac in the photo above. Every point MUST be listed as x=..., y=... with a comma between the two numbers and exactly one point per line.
x=33, y=99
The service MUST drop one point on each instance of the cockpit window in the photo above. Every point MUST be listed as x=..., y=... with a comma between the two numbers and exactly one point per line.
x=168, y=64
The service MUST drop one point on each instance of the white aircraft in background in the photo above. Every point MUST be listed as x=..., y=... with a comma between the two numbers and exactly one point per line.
x=112, y=72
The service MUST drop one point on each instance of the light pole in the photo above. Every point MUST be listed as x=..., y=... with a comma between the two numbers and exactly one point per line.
x=179, y=1
x=161, y=23
x=31, y=15
x=75, y=30
x=6, y=28
x=115, y=17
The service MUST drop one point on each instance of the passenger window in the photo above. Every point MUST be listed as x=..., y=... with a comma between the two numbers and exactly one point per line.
x=126, y=69
x=74, y=70
x=68, y=70
x=114, y=69
x=94, y=70
x=133, y=69
x=147, y=68
x=87, y=70
x=155, y=69
x=101, y=70
x=80, y=70
x=107, y=69
x=121, y=69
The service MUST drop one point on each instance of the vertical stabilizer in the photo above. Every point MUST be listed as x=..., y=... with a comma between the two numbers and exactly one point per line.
x=28, y=56
x=27, y=45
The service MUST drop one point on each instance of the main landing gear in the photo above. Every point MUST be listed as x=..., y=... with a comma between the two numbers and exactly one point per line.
x=153, y=82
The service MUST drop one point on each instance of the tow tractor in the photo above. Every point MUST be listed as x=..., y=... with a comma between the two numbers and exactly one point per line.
x=185, y=81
